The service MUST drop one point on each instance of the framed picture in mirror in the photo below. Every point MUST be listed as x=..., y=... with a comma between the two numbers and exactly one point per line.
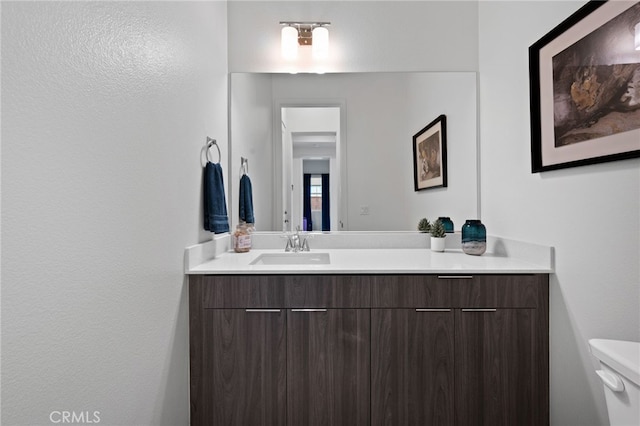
x=430, y=155
x=585, y=88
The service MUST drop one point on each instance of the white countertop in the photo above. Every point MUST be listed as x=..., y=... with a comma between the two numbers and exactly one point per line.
x=378, y=261
x=502, y=257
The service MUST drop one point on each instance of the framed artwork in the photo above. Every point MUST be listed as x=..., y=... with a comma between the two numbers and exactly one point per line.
x=585, y=88
x=430, y=155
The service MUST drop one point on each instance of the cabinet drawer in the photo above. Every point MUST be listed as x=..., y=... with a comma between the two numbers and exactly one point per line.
x=500, y=291
x=327, y=291
x=410, y=291
x=242, y=291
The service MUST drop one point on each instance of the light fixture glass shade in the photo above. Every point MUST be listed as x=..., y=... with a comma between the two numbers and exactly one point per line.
x=289, y=43
x=320, y=46
x=637, y=43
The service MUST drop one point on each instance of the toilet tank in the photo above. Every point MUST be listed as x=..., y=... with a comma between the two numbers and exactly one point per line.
x=620, y=375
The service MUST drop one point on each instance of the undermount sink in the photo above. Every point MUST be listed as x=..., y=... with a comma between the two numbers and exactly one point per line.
x=304, y=258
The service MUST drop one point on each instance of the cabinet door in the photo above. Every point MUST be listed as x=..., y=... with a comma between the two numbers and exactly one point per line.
x=328, y=367
x=412, y=367
x=244, y=367
x=497, y=368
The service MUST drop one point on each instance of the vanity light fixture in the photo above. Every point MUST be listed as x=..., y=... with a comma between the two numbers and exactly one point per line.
x=320, y=48
x=289, y=42
x=314, y=34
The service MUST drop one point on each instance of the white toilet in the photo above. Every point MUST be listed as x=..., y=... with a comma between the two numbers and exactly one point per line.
x=620, y=374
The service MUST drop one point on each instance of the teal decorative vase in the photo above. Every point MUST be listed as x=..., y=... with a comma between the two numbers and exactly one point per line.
x=448, y=224
x=474, y=237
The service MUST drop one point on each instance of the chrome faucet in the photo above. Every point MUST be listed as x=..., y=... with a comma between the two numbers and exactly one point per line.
x=297, y=242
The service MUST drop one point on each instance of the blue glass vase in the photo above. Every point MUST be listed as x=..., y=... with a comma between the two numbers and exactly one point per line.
x=474, y=237
x=448, y=224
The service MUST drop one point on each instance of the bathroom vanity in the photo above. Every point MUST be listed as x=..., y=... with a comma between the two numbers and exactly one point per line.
x=390, y=344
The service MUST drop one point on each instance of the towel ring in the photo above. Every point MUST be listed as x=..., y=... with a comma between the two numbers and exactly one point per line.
x=210, y=143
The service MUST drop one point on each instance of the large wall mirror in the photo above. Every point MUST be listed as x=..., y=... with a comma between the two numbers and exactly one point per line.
x=333, y=152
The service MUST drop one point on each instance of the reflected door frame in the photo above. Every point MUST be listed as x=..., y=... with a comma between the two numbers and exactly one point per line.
x=341, y=159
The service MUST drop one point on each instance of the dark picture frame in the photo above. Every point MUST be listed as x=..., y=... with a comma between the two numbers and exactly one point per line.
x=580, y=112
x=430, y=155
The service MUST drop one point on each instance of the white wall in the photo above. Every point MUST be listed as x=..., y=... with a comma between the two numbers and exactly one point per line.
x=591, y=214
x=105, y=109
x=364, y=35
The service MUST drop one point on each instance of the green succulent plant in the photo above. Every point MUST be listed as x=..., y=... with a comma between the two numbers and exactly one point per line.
x=437, y=229
x=424, y=225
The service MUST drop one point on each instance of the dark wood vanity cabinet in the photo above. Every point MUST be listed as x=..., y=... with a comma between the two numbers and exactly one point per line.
x=412, y=367
x=412, y=351
x=328, y=367
x=328, y=347
x=369, y=350
x=496, y=368
x=280, y=350
x=502, y=351
x=237, y=337
x=246, y=366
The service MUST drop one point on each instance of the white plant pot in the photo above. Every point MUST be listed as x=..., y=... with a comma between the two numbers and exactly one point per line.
x=437, y=244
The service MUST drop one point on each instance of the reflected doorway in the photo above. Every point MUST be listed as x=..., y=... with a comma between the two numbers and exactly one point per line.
x=316, y=199
x=311, y=168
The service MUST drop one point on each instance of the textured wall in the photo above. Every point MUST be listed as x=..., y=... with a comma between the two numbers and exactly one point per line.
x=105, y=108
x=591, y=214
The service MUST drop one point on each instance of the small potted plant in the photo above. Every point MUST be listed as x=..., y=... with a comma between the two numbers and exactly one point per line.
x=424, y=225
x=438, y=235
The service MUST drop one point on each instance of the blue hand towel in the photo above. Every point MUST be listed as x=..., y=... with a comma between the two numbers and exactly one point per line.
x=246, y=200
x=215, y=205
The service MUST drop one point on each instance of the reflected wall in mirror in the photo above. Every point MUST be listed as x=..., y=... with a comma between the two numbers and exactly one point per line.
x=372, y=178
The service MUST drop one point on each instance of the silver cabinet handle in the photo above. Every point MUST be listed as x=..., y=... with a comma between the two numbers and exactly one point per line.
x=262, y=310
x=309, y=310
x=455, y=277
x=480, y=310
x=433, y=310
